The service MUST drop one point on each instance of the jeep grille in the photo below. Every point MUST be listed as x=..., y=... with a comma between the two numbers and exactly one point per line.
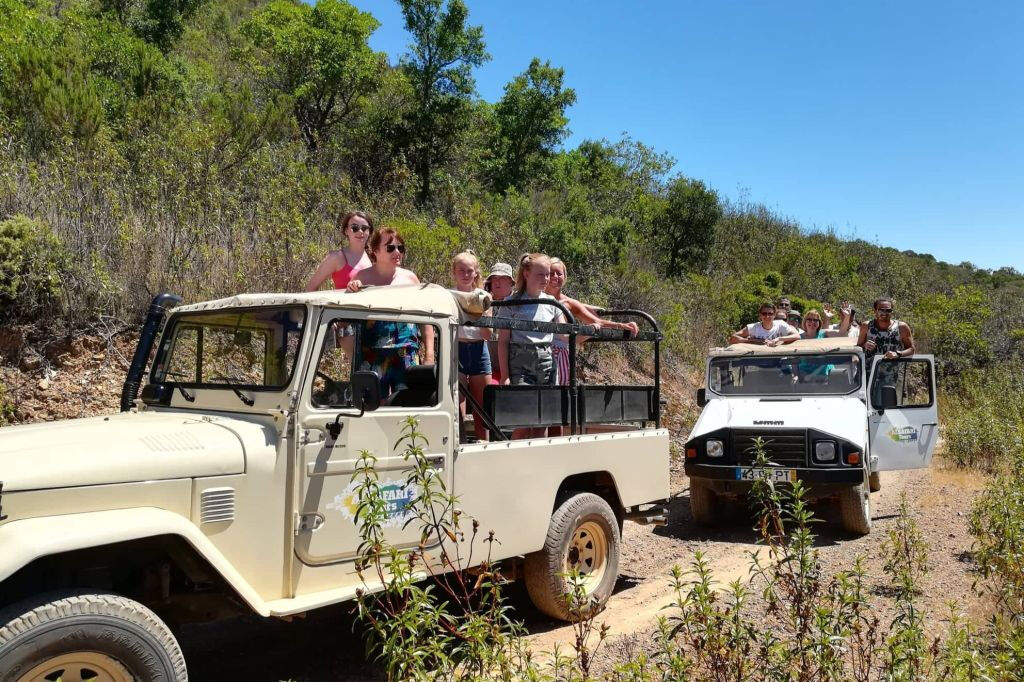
x=785, y=447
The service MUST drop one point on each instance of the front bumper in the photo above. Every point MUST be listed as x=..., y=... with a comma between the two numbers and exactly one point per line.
x=819, y=482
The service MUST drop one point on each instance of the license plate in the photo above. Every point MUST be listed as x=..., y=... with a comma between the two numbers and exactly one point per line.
x=775, y=475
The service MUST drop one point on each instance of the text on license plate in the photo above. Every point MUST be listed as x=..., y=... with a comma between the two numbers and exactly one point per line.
x=755, y=473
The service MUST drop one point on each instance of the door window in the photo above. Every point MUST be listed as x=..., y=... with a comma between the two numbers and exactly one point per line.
x=394, y=350
x=904, y=383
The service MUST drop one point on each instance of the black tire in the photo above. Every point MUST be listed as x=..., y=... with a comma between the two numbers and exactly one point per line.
x=855, y=509
x=703, y=504
x=78, y=632
x=875, y=482
x=584, y=534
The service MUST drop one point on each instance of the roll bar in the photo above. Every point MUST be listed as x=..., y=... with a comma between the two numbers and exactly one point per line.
x=572, y=329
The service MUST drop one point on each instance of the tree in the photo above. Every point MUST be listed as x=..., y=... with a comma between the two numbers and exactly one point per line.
x=685, y=227
x=531, y=122
x=952, y=327
x=318, y=56
x=439, y=66
x=160, y=22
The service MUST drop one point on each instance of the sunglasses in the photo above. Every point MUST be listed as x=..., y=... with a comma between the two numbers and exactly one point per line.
x=813, y=320
x=765, y=313
x=391, y=248
x=359, y=228
x=884, y=311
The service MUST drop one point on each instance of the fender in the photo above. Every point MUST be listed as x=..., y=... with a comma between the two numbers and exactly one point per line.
x=26, y=540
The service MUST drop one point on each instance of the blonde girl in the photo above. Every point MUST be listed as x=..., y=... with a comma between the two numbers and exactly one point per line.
x=525, y=356
x=474, y=358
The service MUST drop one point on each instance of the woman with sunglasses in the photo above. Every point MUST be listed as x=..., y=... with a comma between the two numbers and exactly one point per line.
x=390, y=348
x=343, y=264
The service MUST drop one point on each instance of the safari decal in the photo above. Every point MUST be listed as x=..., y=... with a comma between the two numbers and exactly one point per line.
x=397, y=494
x=905, y=434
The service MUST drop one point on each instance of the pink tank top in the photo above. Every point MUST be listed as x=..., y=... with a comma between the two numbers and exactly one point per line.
x=343, y=276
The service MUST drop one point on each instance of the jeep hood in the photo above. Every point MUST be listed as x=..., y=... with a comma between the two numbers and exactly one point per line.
x=124, y=448
x=841, y=417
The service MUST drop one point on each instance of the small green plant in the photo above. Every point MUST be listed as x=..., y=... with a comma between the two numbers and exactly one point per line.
x=909, y=653
x=6, y=406
x=455, y=625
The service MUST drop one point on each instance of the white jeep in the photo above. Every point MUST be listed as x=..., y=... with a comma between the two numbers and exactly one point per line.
x=819, y=413
x=230, y=486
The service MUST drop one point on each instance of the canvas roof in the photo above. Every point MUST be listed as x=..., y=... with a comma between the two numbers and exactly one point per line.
x=428, y=299
x=803, y=346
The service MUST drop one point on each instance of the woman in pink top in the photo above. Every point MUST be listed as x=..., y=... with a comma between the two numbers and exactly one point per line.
x=345, y=263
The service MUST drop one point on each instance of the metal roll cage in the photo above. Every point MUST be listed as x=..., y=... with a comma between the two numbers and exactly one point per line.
x=572, y=329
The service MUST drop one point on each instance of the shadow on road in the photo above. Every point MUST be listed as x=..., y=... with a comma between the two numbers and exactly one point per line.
x=319, y=648
x=736, y=524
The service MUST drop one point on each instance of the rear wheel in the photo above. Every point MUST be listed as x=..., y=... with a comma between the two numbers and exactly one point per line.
x=703, y=503
x=87, y=636
x=583, y=537
x=855, y=509
x=875, y=482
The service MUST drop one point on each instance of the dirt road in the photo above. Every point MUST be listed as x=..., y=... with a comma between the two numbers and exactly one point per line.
x=940, y=499
x=328, y=645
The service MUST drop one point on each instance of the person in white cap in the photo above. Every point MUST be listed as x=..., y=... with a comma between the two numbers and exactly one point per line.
x=499, y=283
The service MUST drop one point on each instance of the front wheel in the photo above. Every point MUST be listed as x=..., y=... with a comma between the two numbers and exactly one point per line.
x=703, y=504
x=855, y=509
x=87, y=636
x=583, y=537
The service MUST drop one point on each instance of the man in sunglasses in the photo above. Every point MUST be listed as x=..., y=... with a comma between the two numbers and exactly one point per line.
x=782, y=309
x=768, y=331
x=885, y=335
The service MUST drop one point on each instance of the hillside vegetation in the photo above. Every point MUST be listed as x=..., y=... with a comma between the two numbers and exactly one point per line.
x=207, y=148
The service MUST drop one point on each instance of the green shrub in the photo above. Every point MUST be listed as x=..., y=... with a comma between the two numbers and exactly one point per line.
x=983, y=420
x=33, y=267
x=6, y=406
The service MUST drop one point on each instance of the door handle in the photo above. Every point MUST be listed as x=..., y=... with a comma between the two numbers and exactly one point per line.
x=436, y=461
x=930, y=424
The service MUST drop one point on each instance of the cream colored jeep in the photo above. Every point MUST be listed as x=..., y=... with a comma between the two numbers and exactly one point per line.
x=228, y=487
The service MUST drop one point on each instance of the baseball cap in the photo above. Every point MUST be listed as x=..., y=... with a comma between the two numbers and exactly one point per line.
x=501, y=270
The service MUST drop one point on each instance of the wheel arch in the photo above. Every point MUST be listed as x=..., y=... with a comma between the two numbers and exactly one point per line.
x=44, y=541
x=601, y=483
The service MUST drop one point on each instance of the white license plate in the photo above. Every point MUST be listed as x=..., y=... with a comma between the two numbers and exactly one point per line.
x=755, y=473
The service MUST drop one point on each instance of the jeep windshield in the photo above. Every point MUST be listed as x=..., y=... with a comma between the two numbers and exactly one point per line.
x=832, y=374
x=231, y=349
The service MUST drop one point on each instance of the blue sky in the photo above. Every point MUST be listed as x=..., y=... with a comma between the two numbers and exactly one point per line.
x=899, y=122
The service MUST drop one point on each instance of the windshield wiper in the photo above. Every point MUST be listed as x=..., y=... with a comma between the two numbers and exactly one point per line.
x=185, y=394
x=234, y=387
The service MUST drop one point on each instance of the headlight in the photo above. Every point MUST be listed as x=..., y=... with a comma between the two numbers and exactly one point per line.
x=715, y=448
x=824, y=451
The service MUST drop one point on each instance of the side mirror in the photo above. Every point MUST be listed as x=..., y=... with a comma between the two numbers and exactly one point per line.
x=702, y=397
x=890, y=398
x=157, y=394
x=365, y=391
x=365, y=386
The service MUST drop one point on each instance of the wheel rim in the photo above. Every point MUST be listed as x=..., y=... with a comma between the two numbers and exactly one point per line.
x=78, y=666
x=588, y=554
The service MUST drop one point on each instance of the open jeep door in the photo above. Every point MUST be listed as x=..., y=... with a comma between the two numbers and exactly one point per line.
x=903, y=423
